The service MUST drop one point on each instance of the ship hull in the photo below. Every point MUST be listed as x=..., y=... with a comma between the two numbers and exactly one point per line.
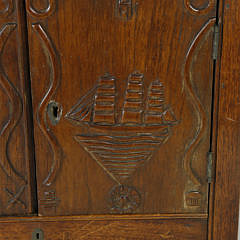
x=121, y=154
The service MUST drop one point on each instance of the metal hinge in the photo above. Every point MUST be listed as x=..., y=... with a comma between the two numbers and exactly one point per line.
x=210, y=159
x=216, y=36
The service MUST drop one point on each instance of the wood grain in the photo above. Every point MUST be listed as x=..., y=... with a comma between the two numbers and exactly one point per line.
x=15, y=193
x=226, y=204
x=91, y=40
x=76, y=229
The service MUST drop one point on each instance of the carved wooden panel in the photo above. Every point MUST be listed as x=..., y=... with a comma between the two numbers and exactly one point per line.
x=103, y=228
x=122, y=104
x=14, y=172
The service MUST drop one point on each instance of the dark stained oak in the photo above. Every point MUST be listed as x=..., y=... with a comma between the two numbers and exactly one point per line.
x=105, y=227
x=15, y=190
x=226, y=198
x=122, y=101
x=121, y=104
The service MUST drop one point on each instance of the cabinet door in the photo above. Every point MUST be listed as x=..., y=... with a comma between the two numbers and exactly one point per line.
x=15, y=138
x=122, y=93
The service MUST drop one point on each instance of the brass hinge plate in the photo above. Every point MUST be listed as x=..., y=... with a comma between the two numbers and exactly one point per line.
x=210, y=159
x=216, y=36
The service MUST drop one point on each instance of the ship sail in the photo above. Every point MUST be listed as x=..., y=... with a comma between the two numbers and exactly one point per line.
x=104, y=101
x=168, y=117
x=155, y=104
x=157, y=113
x=98, y=106
x=82, y=111
x=132, y=112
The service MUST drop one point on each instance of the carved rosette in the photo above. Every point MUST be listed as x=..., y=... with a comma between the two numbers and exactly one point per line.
x=125, y=199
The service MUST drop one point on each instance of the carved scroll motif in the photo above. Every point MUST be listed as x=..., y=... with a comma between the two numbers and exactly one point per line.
x=198, y=107
x=42, y=109
x=15, y=113
x=41, y=13
x=194, y=10
x=8, y=9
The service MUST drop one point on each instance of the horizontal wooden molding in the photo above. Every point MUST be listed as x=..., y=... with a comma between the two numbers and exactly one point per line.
x=104, y=217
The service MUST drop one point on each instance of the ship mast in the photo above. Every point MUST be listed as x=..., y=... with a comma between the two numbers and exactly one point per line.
x=104, y=101
x=132, y=112
x=155, y=104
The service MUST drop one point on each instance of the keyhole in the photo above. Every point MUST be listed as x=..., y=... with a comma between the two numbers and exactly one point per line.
x=54, y=111
x=37, y=234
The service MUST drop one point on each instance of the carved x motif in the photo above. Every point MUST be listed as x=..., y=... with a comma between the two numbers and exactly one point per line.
x=15, y=198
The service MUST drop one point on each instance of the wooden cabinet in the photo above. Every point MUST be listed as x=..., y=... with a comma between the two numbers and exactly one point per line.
x=110, y=118
x=131, y=86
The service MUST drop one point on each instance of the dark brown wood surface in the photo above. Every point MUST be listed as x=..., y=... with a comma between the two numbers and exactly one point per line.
x=105, y=227
x=226, y=204
x=99, y=149
x=15, y=192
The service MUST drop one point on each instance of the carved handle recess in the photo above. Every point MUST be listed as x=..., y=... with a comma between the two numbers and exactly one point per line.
x=41, y=13
x=198, y=11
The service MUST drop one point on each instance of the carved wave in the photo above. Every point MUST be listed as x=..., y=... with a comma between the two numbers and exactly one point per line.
x=8, y=9
x=198, y=11
x=15, y=109
x=15, y=114
x=41, y=13
x=198, y=107
x=41, y=114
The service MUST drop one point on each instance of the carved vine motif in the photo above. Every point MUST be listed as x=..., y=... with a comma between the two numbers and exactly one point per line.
x=41, y=13
x=127, y=139
x=15, y=113
x=41, y=114
x=8, y=9
x=194, y=10
x=198, y=107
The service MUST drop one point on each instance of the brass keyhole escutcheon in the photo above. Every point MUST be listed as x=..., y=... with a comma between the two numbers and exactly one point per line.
x=38, y=234
x=54, y=111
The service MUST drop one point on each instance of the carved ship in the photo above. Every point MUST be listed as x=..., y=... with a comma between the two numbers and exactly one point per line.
x=122, y=143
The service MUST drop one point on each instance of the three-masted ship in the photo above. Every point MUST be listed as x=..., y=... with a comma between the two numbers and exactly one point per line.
x=122, y=141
